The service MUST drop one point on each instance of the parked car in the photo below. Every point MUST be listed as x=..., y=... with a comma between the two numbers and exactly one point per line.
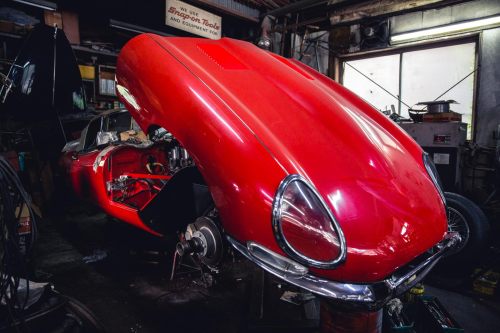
x=294, y=171
x=246, y=148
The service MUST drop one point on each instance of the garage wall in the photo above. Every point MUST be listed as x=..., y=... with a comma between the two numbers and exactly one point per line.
x=488, y=96
x=488, y=93
x=447, y=15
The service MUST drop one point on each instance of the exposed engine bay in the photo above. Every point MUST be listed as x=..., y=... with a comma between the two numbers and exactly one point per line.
x=149, y=175
x=200, y=240
x=137, y=175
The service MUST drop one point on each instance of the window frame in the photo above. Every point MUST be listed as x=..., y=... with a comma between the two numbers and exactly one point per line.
x=419, y=46
x=83, y=138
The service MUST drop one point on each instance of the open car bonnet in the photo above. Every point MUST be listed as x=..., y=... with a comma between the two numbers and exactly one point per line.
x=368, y=171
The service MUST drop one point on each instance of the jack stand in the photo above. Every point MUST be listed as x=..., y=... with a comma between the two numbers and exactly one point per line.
x=334, y=319
x=180, y=268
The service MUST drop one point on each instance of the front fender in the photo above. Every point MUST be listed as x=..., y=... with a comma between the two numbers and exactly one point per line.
x=241, y=173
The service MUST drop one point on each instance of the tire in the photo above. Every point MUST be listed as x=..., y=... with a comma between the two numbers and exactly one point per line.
x=87, y=321
x=465, y=217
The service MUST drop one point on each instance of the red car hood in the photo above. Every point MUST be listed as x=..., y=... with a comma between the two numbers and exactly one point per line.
x=366, y=168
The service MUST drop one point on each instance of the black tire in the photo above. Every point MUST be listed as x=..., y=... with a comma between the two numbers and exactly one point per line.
x=465, y=217
x=87, y=321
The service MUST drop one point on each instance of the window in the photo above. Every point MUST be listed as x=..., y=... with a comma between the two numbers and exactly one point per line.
x=119, y=122
x=382, y=70
x=416, y=76
x=91, y=134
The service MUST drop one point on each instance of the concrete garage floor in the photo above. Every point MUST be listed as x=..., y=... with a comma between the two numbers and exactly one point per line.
x=129, y=289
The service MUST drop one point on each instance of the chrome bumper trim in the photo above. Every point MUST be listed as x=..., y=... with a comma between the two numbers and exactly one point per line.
x=368, y=296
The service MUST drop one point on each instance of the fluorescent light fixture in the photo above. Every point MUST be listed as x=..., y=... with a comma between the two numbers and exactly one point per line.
x=447, y=29
x=39, y=4
x=135, y=28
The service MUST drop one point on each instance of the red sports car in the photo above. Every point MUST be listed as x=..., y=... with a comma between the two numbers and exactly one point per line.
x=233, y=144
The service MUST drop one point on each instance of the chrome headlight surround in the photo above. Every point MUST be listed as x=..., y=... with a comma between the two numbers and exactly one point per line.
x=433, y=174
x=284, y=243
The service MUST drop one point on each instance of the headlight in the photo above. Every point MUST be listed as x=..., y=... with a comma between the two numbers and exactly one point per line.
x=304, y=226
x=432, y=171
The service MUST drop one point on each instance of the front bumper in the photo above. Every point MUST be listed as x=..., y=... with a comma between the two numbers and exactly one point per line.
x=369, y=296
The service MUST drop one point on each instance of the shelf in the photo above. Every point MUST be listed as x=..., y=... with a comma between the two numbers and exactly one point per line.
x=90, y=50
x=7, y=34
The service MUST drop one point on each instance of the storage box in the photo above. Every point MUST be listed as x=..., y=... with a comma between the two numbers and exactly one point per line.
x=53, y=18
x=402, y=324
x=24, y=219
x=71, y=27
x=487, y=283
x=6, y=26
x=87, y=72
x=433, y=317
x=442, y=116
x=24, y=228
x=13, y=159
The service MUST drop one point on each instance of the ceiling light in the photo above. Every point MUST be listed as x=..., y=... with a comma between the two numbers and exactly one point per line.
x=135, y=28
x=446, y=29
x=39, y=4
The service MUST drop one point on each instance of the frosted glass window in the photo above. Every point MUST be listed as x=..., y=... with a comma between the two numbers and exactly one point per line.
x=426, y=74
x=383, y=70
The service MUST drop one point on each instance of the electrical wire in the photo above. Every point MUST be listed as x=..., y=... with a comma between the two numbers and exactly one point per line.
x=14, y=255
x=385, y=90
x=377, y=84
x=365, y=76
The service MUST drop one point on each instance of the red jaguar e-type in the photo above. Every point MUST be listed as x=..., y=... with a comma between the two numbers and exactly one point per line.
x=233, y=144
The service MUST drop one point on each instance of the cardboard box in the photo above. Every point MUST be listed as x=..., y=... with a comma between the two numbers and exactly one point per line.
x=53, y=18
x=87, y=72
x=442, y=116
x=71, y=26
x=24, y=220
x=6, y=26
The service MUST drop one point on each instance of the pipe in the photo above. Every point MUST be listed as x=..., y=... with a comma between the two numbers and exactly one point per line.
x=266, y=26
x=264, y=41
x=301, y=5
x=296, y=6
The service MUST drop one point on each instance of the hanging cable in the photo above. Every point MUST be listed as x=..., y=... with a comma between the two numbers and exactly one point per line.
x=366, y=76
x=388, y=92
x=378, y=85
x=15, y=250
x=456, y=84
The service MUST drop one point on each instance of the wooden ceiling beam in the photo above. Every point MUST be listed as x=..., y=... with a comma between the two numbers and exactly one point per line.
x=225, y=9
x=383, y=8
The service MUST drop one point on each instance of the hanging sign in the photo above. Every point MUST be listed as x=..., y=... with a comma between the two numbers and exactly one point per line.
x=182, y=16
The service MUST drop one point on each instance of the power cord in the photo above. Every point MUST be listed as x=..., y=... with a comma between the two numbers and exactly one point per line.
x=13, y=254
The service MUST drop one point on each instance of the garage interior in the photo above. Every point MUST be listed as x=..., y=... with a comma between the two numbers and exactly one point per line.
x=95, y=244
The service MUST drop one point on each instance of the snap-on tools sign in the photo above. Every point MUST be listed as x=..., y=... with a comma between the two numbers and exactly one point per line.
x=186, y=17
